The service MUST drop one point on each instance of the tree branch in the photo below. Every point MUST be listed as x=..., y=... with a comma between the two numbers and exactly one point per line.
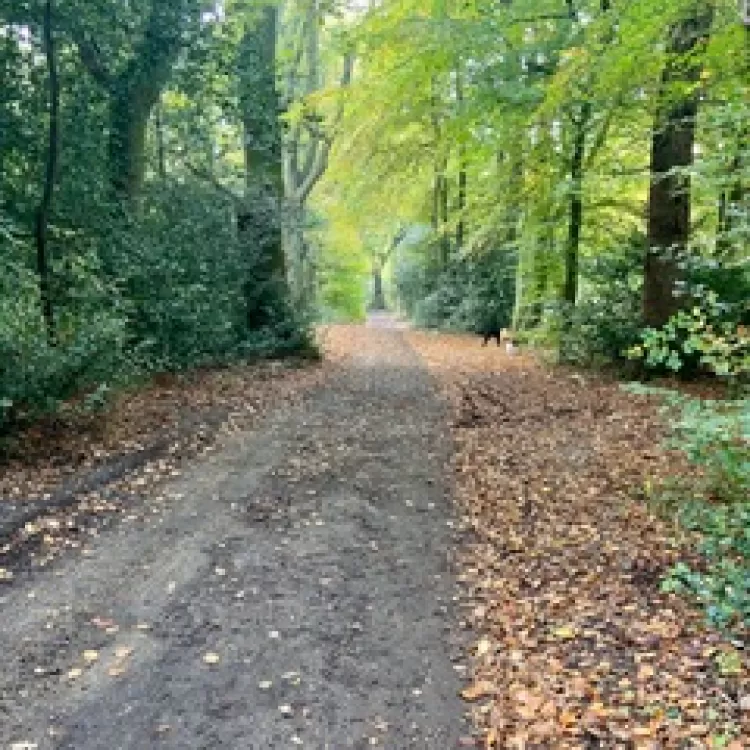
x=316, y=161
x=211, y=179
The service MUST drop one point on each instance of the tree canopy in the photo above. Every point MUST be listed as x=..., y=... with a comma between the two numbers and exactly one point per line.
x=189, y=181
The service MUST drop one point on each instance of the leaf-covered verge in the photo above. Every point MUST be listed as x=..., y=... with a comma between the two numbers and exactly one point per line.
x=574, y=641
x=127, y=450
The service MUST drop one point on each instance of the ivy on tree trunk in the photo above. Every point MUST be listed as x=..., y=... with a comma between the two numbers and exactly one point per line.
x=259, y=221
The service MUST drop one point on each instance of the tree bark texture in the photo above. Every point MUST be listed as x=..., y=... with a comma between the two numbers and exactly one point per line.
x=672, y=146
x=575, y=222
x=259, y=222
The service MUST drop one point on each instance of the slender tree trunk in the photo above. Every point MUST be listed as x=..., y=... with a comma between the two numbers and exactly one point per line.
x=734, y=203
x=50, y=175
x=461, y=226
x=161, y=150
x=672, y=146
x=445, y=240
x=378, y=298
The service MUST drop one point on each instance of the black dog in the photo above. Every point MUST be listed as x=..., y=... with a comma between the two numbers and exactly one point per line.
x=491, y=333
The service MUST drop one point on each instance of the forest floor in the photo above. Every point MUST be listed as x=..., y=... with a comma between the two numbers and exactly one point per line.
x=333, y=556
x=574, y=645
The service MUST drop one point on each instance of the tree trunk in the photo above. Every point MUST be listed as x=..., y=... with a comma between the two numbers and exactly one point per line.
x=734, y=204
x=445, y=240
x=461, y=226
x=134, y=91
x=161, y=149
x=50, y=175
x=575, y=224
x=378, y=298
x=672, y=145
x=259, y=224
x=297, y=253
x=127, y=145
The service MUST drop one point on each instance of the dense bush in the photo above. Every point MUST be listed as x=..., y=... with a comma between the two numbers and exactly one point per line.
x=88, y=355
x=606, y=322
x=181, y=271
x=472, y=292
x=707, y=335
x=164, y=292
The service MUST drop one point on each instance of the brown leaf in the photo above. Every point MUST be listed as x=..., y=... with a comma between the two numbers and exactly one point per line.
x=478, y=690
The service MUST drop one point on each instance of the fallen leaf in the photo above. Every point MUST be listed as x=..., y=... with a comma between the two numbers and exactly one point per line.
x=528, y=703
x=478, y=690
x=483, y=646
x=566, y=632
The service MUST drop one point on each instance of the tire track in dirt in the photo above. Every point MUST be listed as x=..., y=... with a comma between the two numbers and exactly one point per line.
x=293, y=590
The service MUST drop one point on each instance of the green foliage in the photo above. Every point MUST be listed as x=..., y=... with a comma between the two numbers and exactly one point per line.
x=290, y=334
x=180, y=269
x=341, y=295
x=474, y=293
x=89, y=354
x=148, y=266
x=722, y=585
x=714, y=437
x=607, y=320
x=701, y=335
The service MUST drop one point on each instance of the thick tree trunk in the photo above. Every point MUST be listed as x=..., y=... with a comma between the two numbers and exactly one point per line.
x=127, y=144
x=134, y=91
x=260, y=221
x=297, y=253
x=671, y=153
x=50, y=175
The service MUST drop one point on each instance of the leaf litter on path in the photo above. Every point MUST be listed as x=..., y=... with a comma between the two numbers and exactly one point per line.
x=574, y=644
x=185, y=413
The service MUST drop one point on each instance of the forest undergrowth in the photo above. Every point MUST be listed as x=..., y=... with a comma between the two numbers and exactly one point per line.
x=574, y=644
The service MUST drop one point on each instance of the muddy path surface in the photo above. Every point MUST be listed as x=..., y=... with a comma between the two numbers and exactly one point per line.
x=291, y=589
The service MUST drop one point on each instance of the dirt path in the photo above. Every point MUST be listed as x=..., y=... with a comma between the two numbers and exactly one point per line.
x=291, y=589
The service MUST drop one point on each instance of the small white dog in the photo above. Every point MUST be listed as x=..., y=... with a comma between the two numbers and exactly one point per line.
x=506, y=336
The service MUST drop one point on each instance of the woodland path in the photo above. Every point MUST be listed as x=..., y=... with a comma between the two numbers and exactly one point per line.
x=293, y=590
